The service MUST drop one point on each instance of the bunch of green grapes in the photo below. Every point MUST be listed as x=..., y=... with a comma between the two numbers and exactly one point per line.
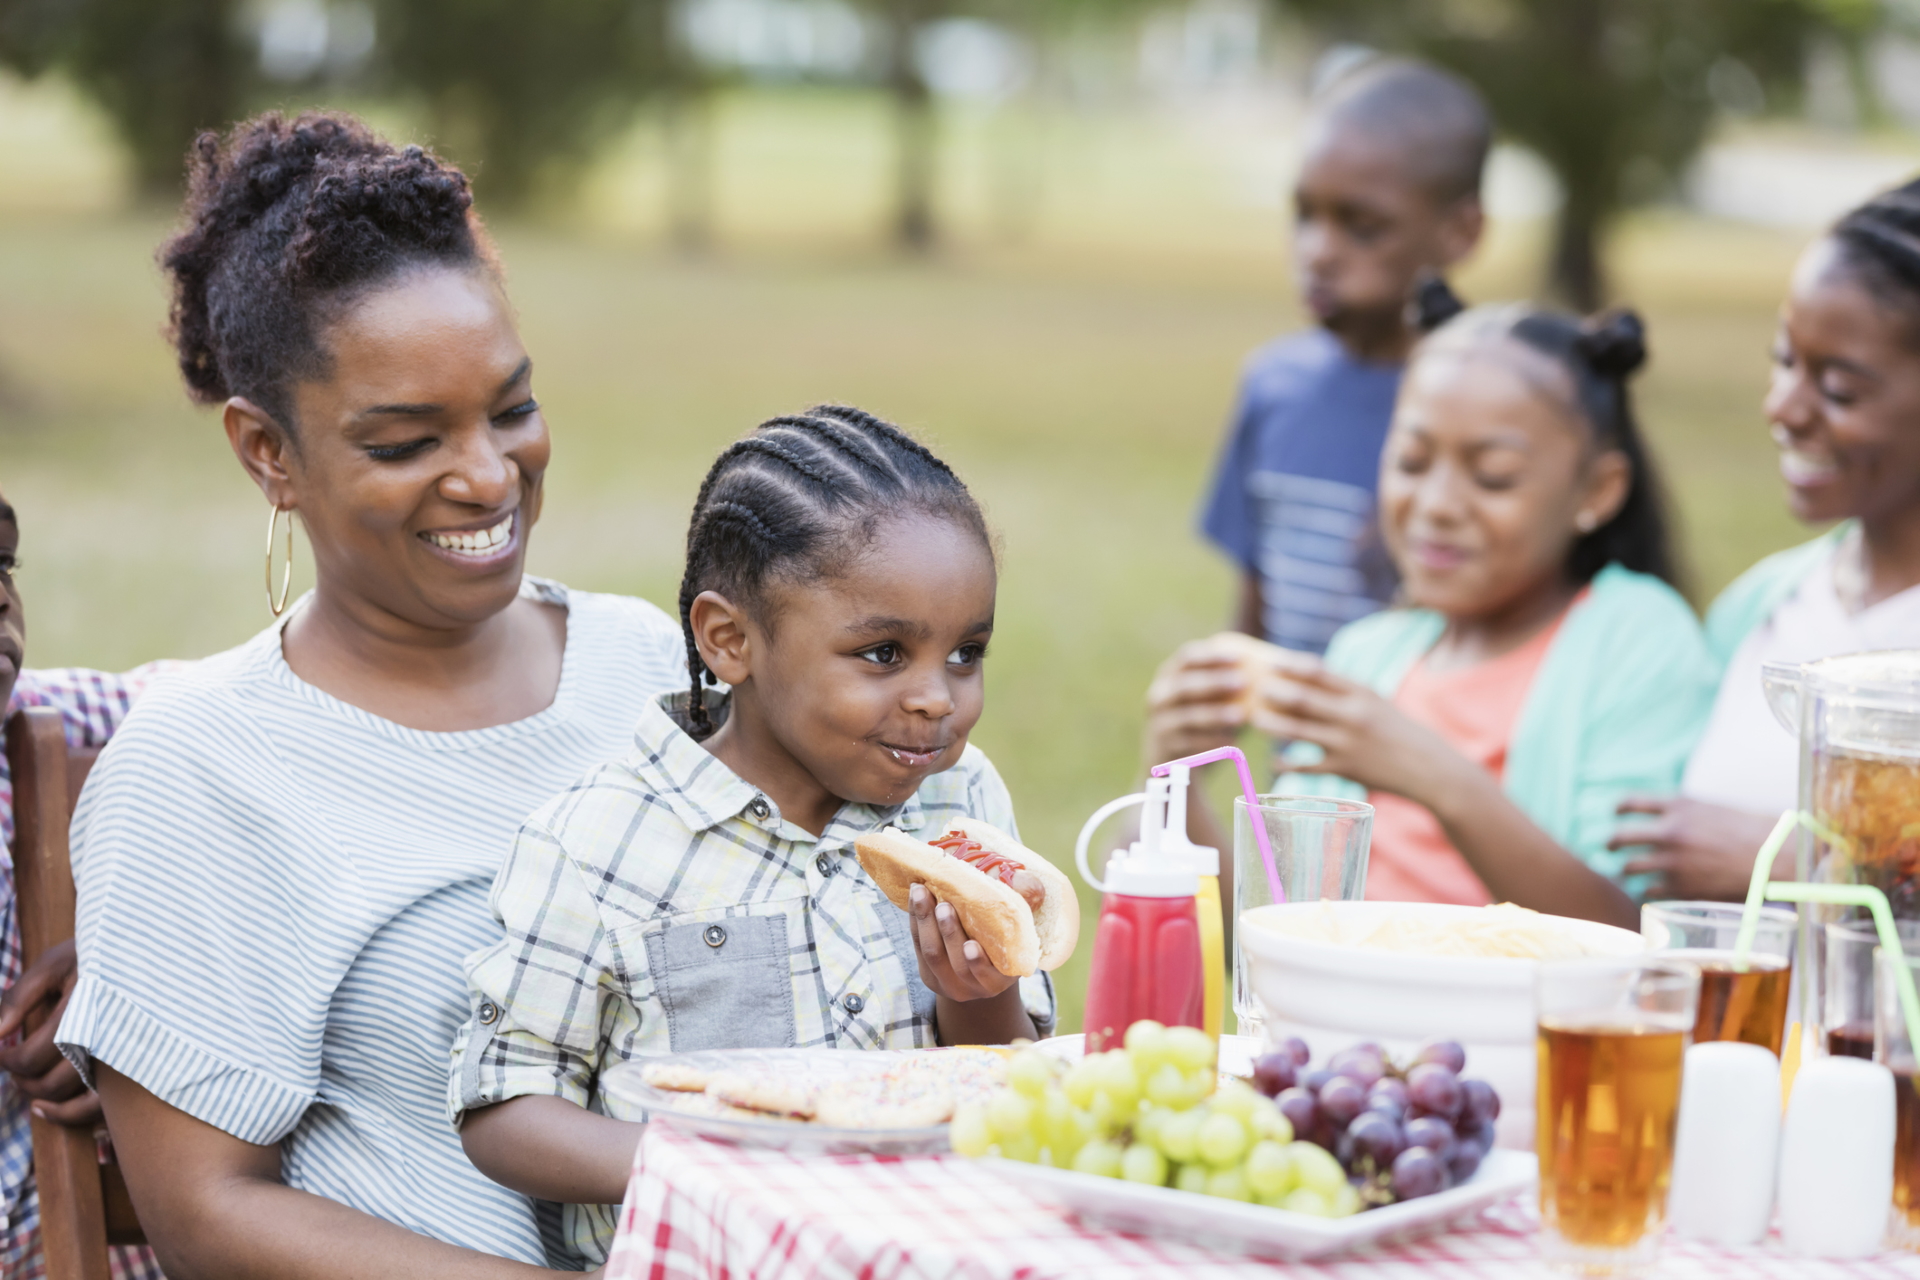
x=1155, y=1112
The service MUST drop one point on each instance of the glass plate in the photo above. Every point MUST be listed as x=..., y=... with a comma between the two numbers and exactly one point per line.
x=631, y=1098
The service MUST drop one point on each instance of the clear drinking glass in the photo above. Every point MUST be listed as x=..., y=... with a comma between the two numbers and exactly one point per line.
x=1320, y=850
x=1847, y=978
x=1893, y=1047
x=1746, y=1001
x=1612, y=1039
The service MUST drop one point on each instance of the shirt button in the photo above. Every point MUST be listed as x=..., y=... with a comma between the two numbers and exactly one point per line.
x=760, y=808
x=824, y=865
x=852, y=1002
x=489, y=1012
x=715, y=936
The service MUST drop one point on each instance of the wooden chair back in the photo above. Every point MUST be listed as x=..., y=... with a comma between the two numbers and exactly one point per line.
x=84, y=1205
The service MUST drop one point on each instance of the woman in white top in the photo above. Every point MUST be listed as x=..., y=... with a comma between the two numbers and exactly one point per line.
x=285, y=854
x=1844, y=408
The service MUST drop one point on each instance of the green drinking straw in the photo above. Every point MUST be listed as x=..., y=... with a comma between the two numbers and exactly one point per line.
x=1844, y=895
x=1757, y=886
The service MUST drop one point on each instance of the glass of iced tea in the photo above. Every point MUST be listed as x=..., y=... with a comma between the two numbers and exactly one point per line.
x=1612, y=1038
x=1892, y=1046
x=1739, y=1000
x=1847, y=983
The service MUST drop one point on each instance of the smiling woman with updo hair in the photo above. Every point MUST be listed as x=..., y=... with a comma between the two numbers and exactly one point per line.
x=286, y=853
x=1843, y=410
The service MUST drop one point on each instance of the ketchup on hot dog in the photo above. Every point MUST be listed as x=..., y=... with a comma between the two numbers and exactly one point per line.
x=978, y=855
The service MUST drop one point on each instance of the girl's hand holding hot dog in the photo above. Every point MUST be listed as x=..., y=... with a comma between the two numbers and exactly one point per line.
x=986, y=909
x=953, y=965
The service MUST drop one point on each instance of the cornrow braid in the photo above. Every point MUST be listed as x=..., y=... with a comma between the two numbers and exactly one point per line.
x=792, y=499
x=1880, y=241
x=900, y=439
x=860, y=458
x=783, y=452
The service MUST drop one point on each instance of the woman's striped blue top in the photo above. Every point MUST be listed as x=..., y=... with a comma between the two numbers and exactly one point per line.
x=277, y=890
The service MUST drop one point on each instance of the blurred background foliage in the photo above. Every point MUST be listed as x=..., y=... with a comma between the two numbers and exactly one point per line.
x=1615, y=97
x=1041, y=233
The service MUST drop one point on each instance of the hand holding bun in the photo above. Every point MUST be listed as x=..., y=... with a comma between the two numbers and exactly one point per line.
x=1259, y=661
x=1019, y=907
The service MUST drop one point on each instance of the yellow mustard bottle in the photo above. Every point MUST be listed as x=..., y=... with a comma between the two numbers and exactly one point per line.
x=1213, y=950
x=1204, y=862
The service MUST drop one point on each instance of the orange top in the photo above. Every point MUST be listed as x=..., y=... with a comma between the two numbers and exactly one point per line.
x=1474, y=709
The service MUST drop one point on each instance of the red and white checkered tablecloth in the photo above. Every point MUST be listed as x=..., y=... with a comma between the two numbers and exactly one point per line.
x=708, y=1210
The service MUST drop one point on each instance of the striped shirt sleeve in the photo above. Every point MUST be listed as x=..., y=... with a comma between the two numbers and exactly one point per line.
x=178, y=853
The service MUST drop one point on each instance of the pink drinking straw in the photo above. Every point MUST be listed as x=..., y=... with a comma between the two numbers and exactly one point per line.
x=1254, y=816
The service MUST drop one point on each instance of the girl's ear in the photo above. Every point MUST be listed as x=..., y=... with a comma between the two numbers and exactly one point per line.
x=720, y=633
x=1609, y=479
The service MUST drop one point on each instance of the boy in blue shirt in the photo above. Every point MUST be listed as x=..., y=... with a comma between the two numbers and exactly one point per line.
x=1388, y=192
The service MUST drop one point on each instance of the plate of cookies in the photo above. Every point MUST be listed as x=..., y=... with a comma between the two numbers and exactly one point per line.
x=829, y=1101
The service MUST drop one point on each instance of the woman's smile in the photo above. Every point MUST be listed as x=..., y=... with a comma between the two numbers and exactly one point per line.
x=1804, y=465
x=485, y=546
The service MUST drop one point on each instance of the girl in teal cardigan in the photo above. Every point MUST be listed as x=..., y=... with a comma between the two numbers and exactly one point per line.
x=1523, y=515
x=1613, y=711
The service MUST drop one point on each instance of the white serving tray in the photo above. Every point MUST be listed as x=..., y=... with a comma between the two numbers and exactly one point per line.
x=1262, y=1232
x=632, y=1098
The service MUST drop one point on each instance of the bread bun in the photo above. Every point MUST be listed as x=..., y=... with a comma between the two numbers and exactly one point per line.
x=1017, y=939
x=1257, y=658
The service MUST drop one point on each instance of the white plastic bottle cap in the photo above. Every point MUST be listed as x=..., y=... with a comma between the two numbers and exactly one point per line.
x=1144, y=878
x=1157, y=864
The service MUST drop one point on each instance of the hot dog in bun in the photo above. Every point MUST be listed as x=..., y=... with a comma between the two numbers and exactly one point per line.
x=1013, y=902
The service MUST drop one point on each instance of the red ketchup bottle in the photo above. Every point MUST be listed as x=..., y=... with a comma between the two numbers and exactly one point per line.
x=1146, y=948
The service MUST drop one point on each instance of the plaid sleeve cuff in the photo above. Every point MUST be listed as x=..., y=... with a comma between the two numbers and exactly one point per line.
x=1036, y=994
x=493, y=1059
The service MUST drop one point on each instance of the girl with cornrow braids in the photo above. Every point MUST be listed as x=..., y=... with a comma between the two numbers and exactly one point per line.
x=1843, y=409
x=1539, y=665
x=288, y=849
x=701, y=892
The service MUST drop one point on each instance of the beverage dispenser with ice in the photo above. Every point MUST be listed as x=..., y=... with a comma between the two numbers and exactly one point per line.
x=1858, y=721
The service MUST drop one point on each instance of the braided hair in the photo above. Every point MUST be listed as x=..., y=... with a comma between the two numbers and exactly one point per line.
x=1880, y=242
x=287, y=221
x=1598, y=354
x=793, y=500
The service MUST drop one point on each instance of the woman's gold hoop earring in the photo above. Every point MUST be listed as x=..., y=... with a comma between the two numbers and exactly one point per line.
x=286, y=575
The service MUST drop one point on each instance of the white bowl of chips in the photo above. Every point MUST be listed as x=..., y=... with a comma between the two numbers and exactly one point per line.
x=1402, y=973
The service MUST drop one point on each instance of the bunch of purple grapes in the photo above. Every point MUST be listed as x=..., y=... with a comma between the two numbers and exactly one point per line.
x=1400, y=1132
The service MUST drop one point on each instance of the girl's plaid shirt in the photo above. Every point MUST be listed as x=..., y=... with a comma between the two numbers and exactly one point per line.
x=663, y=904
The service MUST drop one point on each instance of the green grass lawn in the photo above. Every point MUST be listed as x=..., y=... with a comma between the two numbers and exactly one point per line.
x=1078, y=382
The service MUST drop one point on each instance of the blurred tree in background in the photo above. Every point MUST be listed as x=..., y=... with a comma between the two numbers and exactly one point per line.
x=523, y=91
x=1616, y=96
x=916, y=140
x=162, y=70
